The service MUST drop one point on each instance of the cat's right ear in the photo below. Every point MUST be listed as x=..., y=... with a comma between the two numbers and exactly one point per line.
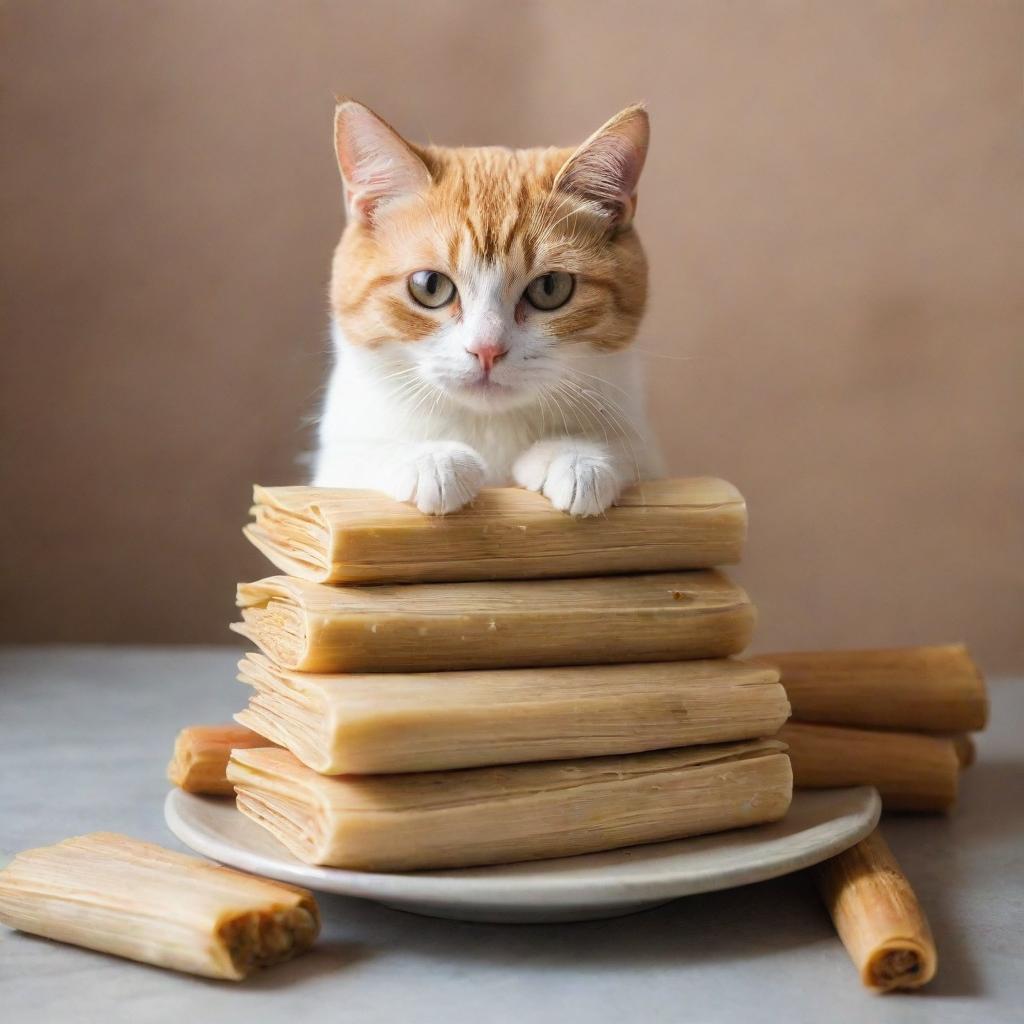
x=605, y=170
x=377, y=165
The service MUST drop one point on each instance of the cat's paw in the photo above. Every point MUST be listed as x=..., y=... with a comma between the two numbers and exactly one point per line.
x=436, y=476
x=578, y=477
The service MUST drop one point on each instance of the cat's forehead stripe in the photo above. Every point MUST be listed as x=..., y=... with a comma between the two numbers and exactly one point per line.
x=497, y=193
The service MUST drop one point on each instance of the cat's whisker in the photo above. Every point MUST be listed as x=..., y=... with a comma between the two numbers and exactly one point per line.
x=593, y=376
x=403, y=390
x=589, y=411
x=561, y=412
x=620, y=422
x=428, y=390
x=603, y=400
x=661, y=355
x=545, y=405
x=615, y=411
x=400, y=373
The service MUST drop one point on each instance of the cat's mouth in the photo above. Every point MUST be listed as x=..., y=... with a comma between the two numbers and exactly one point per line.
x=485, y=393
x=487, y=384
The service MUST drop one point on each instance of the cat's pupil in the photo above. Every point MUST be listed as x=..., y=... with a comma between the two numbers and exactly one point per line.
x=433, y=283
x=549, y=283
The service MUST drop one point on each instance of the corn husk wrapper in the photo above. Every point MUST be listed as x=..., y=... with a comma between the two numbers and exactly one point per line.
x=966, y=749
x=349, y=536
x=201, y=754
x=911, y=771
x=501, y=815
x=426, y=721
x=914, y=689
x=137, y=900
x=314, y=627
x=877, y=916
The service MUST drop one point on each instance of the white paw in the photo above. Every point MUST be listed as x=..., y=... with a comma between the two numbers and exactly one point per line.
x=437, y=476
x=578, y=477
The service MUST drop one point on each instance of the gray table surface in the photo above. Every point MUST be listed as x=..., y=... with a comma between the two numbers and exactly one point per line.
x=85, y=734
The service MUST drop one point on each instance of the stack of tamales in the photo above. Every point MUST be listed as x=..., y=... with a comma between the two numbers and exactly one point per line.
x=501, y=684
x=507, y=683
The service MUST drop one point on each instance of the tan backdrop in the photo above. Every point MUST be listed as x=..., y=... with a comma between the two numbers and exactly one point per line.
x=832, y=208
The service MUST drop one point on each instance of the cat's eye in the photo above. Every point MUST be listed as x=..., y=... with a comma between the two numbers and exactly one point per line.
x=549, y=291
x=431, y=288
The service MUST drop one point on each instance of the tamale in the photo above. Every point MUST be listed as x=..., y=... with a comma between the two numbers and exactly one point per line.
x=877, y=916
x=364, y=724
x=201, y=755
x=500, y=815
x=927, y=689
x=314, y=627
x=349, y=536
x=911, y=771
x=966, y=751
x=137, y=900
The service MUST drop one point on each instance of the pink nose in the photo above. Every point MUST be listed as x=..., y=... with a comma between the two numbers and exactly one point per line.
x=488, y=353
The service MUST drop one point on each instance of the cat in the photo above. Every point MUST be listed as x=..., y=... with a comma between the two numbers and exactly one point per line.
x=483, y=303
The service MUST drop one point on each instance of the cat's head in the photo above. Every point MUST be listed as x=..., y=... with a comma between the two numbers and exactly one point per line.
x=480, y=272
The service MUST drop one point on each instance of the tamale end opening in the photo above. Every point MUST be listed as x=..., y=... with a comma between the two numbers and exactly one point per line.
x=256, y=940
x=898, y=965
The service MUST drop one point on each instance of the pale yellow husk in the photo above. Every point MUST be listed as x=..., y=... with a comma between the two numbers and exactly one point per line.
x=315, y=627
x=911, y=771
x=877, y=916
x=201, y=755
x=426, y=721
x=522, y=812
x=134, y=899
x=927, y=689
x=349, y=536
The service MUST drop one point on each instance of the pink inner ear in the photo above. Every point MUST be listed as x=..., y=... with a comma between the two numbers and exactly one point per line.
x=375, y=162
x=606, y=172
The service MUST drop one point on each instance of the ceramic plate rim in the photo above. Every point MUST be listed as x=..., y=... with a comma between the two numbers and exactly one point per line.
x=660, y=883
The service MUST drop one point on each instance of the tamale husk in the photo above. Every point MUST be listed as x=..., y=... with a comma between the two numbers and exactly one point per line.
x=911, y=771
x=500, y=815
x=314, y=627
x=349, y=536
x=966, y=751
x=137, y=900
x=877, y=916
x=428, y=721
x=201, y=755
x=927, y=689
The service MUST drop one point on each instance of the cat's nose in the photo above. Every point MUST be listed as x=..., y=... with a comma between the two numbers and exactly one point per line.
x=488, y=353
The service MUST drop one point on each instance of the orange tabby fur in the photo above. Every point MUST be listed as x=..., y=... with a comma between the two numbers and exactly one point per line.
x=495, y=205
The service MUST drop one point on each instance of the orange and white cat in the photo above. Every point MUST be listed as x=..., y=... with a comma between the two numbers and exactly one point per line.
x=484, y=302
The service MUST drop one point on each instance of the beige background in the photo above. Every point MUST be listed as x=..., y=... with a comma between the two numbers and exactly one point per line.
x=832, y=208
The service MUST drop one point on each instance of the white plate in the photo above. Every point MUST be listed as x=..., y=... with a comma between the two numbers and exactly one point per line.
x=819, y=825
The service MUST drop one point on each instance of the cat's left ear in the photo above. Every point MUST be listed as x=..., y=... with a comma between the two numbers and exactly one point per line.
x=377, y=165
x=606, y=168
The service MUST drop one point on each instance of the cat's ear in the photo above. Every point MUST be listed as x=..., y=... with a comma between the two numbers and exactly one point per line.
x=606, y=168
x=377, y=165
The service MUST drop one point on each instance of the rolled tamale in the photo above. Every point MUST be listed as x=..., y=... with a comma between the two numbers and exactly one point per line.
x=314, y=627
x=500, y=815
x=911, y=771
x=426, y=721
x=966, y=751
x=137, y=900
x=877, y=916
x=201, y=755
x=348, y=536
x=928, y=689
